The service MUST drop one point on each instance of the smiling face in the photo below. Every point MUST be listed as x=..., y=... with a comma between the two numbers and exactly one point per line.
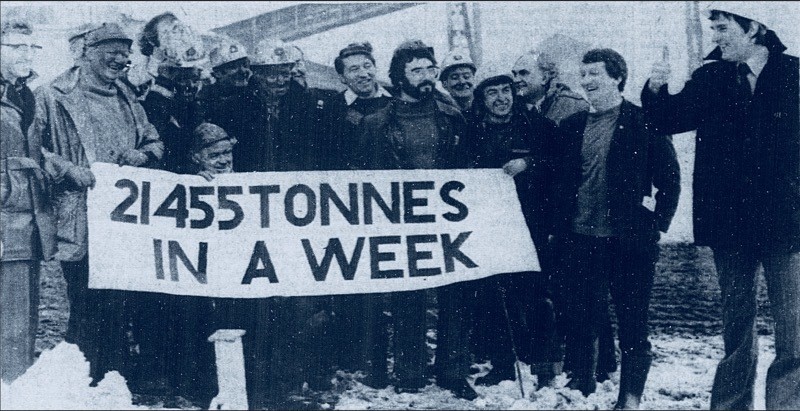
x=459, y=82
x=498, y=100
x=108, y=60
x=420, y=80
x=235, y=73
x=359, y=74
x=601, y=89
x=16, y=55
x=274, y=78
x=216, y=158
x=735, y=43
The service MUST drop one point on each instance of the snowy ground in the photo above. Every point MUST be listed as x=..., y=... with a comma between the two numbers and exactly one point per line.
x=680, y=379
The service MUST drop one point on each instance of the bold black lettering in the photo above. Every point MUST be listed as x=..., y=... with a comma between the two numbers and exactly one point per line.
x=414, y=256
x=311, y=202
x=118, y=214
x=264, y=192
x=180, y=213
x=260, y=255
x=225, y=203
x=409, y=202
x=196, y=203
x=157, y=253
x=451, y=251
x=392, y=213
x=327, y=194
x=145, y=205
x=463, y=211
x=176, y=252
x=376, y=257
x=334, y=248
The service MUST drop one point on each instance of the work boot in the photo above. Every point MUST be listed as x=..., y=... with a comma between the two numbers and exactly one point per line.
x=633, y=375
x=585, y=367
x=495, y=376
x=460, y=388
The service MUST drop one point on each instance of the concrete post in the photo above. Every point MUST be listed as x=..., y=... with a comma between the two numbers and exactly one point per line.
x=232, y=394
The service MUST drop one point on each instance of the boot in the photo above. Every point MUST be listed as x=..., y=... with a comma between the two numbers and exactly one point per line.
x=633, y=376
x=585, y=363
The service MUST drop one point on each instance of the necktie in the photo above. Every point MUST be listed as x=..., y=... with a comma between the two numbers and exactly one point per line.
x=742, y=79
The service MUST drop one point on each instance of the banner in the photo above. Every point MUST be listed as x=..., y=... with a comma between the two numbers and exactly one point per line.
x=252, y=235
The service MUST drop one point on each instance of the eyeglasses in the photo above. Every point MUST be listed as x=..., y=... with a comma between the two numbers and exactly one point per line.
x=25, y=48
x=420, y=71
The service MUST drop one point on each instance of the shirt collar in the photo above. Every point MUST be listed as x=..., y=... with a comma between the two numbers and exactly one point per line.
x=350, y=96
x=757, y=62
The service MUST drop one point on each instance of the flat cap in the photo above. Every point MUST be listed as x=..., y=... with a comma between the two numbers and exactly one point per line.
x=107, y=32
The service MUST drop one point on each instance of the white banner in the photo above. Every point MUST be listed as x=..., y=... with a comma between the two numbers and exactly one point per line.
x=250, y=235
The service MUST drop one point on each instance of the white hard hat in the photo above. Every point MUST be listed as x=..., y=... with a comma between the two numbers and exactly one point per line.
x=181, y=49
x=226, y=51
x=756, y=11
x=271, y=52
x=457, y=57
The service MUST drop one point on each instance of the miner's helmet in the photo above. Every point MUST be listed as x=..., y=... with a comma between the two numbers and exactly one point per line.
x=271, y=52
x=454, y=59
x=226, y=51
x=208, y=134
x=185, y=50
x=757, y=12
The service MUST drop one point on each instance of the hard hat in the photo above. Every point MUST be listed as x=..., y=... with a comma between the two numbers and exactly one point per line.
x=271, y=52
x=107, y=32
x=456, y=58
x=226, y=51
x=183, y=50
x=756, y=11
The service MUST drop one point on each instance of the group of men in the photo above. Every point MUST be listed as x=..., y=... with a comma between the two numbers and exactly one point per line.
x=585, y=169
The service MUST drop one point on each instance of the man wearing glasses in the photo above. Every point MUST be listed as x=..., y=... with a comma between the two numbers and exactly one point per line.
x=27, y=234
x=420, y=128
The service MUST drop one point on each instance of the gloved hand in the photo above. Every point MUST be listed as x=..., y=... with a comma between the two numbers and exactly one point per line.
x=81, y=176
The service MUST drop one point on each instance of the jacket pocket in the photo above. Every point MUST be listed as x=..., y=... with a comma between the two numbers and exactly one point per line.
x=21, y=175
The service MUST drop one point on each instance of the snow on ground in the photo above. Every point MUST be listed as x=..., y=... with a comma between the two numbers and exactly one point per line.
x=681, y=377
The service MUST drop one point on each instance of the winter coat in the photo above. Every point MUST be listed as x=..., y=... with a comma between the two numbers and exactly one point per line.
x=533, y=138
x=747, y=157
x=175, y=123
x=26, y=214
x=638, y=159
x=381, y=136
x=67, y=138
x=290, y=142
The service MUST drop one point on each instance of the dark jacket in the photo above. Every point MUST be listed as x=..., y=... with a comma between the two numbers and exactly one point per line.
x=26, y=214
x=68, y=139
x=341, y=122
x=747, y=157
x=531, y=137
x=175, y=123
x=638, y=159
x=380, y=145
x=289, y=141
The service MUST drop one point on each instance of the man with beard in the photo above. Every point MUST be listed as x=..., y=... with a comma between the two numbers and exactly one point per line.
x=458, y=76
x=88, y=115
x=519, y=142
x=26, y=215
x=744, y=106
x=606, y=235
x=420, y=129
x=535, y=77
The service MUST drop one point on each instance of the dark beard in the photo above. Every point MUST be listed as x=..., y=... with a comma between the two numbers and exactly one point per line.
x=416, y=92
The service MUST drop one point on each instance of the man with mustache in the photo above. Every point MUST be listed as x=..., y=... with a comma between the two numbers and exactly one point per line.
x=746, y=201
x=458, y=77
x=88, y=115
x=420, y=129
